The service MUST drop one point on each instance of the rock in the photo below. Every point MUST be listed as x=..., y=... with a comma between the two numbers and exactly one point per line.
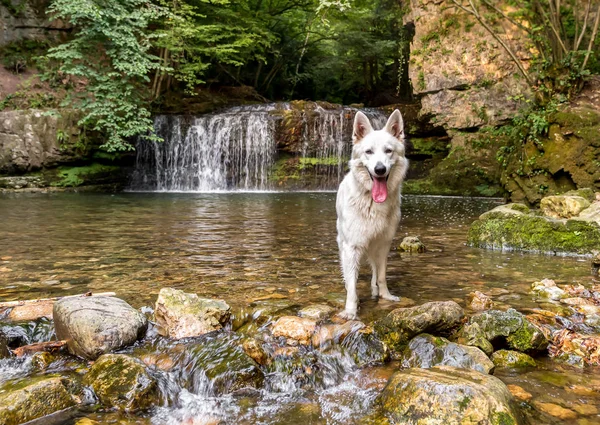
x=596, y=264
x=519, y=392
x=316, y=311
x=122, y=382
x=555, y=410
x=4, y=350
x=34, y=398
x=254, y=349
x=335, y=333
x=509, y=328
x=426, y=351
x=508, y=358
x=295, y=328
x=506, y=211
x=93, y=326
x=401, y=324
x=479, y=301
x=585, y=409
x=563, y=206
x=41, y=360
x=445, y=394
x=365, y=347
x=547, y=288
x=530, y=232
x=412, y=244
x=221, y=360
x=182, y=315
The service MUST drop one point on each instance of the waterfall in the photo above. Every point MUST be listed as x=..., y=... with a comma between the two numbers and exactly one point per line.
x=237, y=149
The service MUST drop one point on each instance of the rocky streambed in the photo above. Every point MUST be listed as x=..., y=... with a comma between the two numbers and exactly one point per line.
x=194, y=360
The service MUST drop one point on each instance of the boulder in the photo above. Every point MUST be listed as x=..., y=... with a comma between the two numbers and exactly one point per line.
x=34, y=398
x=122, y=382
x=498, y=229
x=182, y=315
x=316, y=311
x=365, y=347
x=508, y=358
x=445, y=394
x=563, y=206
x=494, y=327
x=426, y=351
x=592, y=213
x=479, y=301
x=412, y=244
x=294, y=328
x=93, y=326
x=402, y=324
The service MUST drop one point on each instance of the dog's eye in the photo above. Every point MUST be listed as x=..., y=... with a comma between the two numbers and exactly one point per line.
x=388, y=150
x=369, y=151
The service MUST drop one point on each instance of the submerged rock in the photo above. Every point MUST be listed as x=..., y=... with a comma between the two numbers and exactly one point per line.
x=316, y=311
x=122, y=382
x=426, y=351
x=412, y=244
x=34, y=398
x=509, y=328
x=93, y=326
x=447, y=394
x=516, y=229
x=294, y=328
x=182, y=315
x=400, y=325
x=508, y=358
x=479, y=301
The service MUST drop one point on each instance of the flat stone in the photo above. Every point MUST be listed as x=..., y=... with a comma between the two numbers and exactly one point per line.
x=182, y=315
x=316, y=311
x=519, y=392
x=555, y=410
x=93, y=326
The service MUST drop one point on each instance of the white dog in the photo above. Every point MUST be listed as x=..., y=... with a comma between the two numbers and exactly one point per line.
x=368, y=204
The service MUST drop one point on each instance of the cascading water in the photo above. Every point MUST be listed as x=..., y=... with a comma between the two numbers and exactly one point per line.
x=237, y=149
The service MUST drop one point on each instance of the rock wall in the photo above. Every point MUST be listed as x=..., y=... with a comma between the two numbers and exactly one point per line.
x=27, y=19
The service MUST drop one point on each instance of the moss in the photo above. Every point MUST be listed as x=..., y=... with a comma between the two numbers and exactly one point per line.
x=576, y=118
x=78, y=176
x=535, y=234
x=503, y=418
x=304, y=163
x=507, y=358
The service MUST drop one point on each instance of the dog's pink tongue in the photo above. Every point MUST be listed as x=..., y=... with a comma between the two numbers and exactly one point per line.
x=379, y=191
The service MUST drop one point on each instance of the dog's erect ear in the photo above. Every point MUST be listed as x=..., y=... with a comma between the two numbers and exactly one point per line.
x=395, y=125
x=362, y=127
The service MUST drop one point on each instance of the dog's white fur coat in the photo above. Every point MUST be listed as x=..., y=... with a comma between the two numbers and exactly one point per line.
x=366, y=228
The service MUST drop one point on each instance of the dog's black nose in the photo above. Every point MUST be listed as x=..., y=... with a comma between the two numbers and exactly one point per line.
x=380, y=169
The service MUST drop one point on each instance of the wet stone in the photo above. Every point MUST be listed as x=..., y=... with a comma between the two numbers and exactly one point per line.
x=365, y=347
x=555, y=410
x=93, y=326
x=426, y=351
x=35, y=398
x=253, y=348
x=402, y=324
x=335, y=333
x=294, y=328
x=412, y=244
x=509, y=328
x=445, y=394
x=563, y=206
x=316, y=311
x=182, y=315
x=508, y=358
x=519, y=392
x=122, y=382
x=479, y=301
x=547, y=288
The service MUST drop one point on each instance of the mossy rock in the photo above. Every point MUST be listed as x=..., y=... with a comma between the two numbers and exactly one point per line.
x=447, y=394
x=501, y=230
x=122, y=382
x=402, y=324
x=502, y=328
x=508, y=358
x=34, y=398
x=426, y=351
x=366, y=348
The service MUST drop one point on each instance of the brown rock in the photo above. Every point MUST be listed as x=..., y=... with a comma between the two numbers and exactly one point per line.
x=585, y=409
x=254, y=349
x=555, y=410
x=296, y=328
x=519, y=392
x=479, y=301
x=335, y=332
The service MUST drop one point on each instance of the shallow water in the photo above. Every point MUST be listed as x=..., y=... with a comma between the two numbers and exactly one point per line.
x=253, y=247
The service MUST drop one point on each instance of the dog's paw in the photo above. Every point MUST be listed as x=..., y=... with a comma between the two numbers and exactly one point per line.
x=390, y=297
x=347, y=315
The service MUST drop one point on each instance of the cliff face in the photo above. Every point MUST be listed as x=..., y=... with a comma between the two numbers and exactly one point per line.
x=27, y=19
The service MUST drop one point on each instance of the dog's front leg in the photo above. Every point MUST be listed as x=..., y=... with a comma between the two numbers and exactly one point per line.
x=381, y=267
x=350, y=257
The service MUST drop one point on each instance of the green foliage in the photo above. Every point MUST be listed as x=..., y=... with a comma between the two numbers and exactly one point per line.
x=110, y=51
x=77, y=176
x=17, y=56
